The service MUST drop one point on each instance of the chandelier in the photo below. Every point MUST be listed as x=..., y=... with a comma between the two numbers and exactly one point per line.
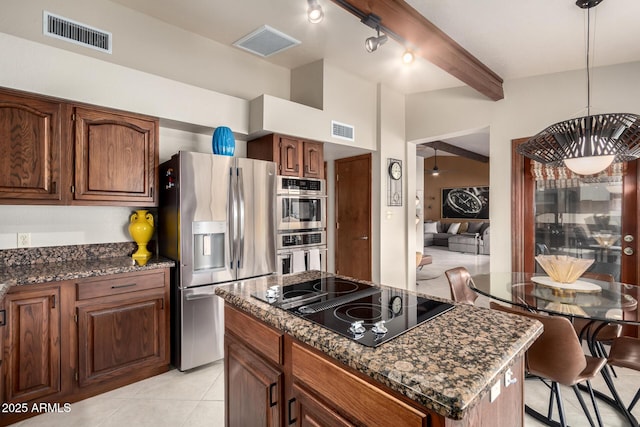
x=587, y=145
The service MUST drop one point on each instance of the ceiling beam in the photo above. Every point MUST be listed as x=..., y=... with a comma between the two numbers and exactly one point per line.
x=429, y=42
x=452, y=149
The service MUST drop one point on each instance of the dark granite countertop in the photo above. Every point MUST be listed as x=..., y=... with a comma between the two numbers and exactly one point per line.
x=29, y=266
x=447, y=364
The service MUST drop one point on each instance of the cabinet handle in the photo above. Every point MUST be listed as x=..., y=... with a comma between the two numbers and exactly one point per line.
x=3, y=317
x=54, y=187
x=53, y=301
x=271, y=388
x=128, y=285
x=291, y=420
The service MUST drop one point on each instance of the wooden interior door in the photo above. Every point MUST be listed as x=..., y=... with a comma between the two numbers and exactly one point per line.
x=353, y=217
x=523, y=224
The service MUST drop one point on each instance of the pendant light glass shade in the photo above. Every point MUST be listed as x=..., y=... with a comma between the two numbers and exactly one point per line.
x=588, y=165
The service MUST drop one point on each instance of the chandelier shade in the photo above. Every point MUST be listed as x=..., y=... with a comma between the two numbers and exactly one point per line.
x=587, y=145
x=612, y=134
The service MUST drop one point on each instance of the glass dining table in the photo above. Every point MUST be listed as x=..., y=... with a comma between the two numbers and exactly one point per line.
x=598, y=302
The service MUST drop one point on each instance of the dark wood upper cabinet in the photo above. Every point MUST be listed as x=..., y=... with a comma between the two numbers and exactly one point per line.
x=54, y=151
x=30, y=149
x=295, y=157
x=115, y=157
x=313, y=159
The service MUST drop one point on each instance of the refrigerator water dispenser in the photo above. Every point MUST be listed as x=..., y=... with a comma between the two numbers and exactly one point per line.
x=208, y=244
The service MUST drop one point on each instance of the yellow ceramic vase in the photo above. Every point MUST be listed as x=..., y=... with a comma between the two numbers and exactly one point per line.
x=141, y=230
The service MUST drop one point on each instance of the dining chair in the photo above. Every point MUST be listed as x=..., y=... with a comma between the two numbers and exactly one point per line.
x=557, y=356
x=459, y=279
x=625, y=353
x=605, y=334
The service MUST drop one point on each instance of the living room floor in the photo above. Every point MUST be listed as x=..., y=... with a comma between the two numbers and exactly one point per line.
x=196, y=398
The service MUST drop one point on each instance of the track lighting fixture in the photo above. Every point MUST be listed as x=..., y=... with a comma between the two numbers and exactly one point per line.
x=315, y=13
x=408, y=57
x=372, y=43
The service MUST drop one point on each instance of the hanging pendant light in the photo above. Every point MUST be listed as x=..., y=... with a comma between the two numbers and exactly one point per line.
x=435, y=171
x=587, y=145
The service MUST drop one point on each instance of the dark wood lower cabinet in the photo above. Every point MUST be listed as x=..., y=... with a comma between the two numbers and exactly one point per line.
x=70, y=340
x=32, y=345
x=120, y=337
x=312, y=412
x=254, y=388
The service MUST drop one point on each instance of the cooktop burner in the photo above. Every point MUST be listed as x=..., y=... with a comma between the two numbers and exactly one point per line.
x=362, y=312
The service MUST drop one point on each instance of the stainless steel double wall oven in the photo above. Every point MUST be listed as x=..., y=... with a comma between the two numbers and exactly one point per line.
x=301, y=208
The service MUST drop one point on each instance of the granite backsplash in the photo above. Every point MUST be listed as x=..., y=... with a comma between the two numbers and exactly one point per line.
x=49, y=254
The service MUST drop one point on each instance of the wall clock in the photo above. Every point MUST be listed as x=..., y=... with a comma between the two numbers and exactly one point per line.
x=394, y=182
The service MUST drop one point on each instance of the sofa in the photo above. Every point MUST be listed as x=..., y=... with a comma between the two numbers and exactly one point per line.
x=472, y=237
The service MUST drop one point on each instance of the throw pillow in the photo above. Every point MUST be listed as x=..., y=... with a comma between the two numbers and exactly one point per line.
x=485, y=225
x=474, y=227
x=463, y=227
x=430, y=227
x=453, y=228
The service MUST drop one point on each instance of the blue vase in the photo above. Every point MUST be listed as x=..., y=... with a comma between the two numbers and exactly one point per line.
x=223, y=142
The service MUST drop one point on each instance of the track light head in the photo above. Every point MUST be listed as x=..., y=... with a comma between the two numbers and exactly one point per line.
x=373, y=43
x=315, y=14
x=408, y=57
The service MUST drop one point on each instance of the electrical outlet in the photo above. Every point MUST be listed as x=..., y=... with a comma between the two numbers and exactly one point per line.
x=24, y=240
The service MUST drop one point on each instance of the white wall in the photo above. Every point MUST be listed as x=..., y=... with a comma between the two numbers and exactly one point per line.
x=529, y=106
x=394, y=235
x=147, y=44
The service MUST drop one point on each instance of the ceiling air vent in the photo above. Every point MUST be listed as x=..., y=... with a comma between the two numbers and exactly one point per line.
x=342, y=131
x=265, y=41
x=75, y=32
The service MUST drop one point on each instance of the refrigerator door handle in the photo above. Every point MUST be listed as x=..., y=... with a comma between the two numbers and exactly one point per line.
x=191, y=297
x=233, y=219
x=241, y=221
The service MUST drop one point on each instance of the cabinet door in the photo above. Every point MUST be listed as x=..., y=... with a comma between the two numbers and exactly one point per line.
x=313, y=160
x=117, y=337
x=31, y=362
x=290, y=157
x=30, y=149
x=253, y=389
x=314, y=413
x=115, y=158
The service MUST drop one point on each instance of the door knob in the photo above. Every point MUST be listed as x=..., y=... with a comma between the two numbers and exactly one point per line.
x=628, y=251
x=628, y=238
x=363, y=238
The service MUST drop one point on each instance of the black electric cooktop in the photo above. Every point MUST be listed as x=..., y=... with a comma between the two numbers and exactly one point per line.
x=362, y=312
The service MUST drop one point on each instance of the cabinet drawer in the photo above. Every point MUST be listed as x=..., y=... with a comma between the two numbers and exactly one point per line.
x=119, y=284
x=257, y=335
x=356, y=397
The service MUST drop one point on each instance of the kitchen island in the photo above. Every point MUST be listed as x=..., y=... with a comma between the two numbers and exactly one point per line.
x=441, y=373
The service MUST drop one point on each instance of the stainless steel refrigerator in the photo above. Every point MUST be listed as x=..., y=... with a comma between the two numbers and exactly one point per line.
x=217, y=221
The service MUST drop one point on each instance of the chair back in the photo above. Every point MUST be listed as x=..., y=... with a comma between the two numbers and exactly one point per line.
x=459, y=279
x=557, y=354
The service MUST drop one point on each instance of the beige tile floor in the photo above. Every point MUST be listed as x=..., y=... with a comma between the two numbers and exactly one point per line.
x=196, y=398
